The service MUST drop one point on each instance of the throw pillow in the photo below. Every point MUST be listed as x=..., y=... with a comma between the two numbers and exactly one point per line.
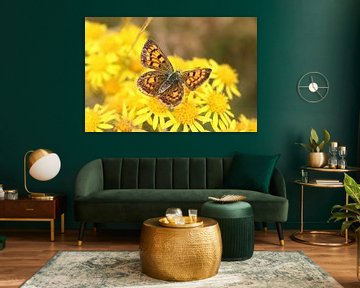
x=251, y=172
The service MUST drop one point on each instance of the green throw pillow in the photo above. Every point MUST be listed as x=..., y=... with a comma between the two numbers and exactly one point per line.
x=251, y=172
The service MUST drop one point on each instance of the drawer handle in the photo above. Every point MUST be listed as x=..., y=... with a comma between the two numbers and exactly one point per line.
x=29, y=209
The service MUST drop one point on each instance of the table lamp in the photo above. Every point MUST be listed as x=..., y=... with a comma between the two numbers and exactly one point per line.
x=43, y=165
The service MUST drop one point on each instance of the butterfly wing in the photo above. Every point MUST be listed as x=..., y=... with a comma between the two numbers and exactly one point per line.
x=152, y=57
x=150, y=82
x=173, y=96
x=194, y=78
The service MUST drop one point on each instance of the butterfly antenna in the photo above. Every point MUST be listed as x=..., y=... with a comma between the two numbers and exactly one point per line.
x=143, y=28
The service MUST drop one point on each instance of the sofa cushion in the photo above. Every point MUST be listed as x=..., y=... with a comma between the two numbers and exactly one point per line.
x=251, y=172
x=266, y=206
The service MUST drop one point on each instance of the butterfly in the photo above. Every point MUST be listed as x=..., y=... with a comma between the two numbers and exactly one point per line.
x=163, y=82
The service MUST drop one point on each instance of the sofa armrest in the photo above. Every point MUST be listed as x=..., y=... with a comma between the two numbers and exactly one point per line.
x=277, y=184
x=89, y=179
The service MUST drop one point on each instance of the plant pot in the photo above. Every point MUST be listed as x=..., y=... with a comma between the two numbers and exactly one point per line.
x=317, y=159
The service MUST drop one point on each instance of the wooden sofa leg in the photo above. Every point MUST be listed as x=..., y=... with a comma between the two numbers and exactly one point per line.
x=280, y=233
x=81, y=233
x=265, y=227
x=95, y=228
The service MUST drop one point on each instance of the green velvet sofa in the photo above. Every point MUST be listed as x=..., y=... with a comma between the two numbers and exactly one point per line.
x=130, y=190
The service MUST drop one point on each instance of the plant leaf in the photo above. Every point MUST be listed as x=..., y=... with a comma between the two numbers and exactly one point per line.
x=321, y=146
x=306, y=146
x=326, y=136
x=314, y=135
x=352, y=188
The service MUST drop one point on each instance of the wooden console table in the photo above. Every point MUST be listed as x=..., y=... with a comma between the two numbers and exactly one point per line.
x=26, y=209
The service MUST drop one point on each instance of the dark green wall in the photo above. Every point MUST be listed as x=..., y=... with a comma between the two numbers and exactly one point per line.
x=42, y=88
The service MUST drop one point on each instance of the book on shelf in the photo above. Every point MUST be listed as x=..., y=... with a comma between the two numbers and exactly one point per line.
x=327, y=181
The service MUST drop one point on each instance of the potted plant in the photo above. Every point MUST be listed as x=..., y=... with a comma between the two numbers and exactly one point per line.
x=317, y=157
x=350, y=214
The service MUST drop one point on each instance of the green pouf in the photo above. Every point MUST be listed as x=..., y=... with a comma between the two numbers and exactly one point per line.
x=236, y=221
x=2, y=242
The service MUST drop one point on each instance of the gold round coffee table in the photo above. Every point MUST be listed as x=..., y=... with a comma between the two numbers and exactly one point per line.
x=180, y=254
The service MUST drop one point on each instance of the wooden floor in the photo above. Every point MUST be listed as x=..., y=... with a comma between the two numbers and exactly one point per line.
x=28, y=250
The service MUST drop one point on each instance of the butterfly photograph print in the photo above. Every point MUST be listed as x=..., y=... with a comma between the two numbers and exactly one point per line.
x=170, y=74
x=163, y=82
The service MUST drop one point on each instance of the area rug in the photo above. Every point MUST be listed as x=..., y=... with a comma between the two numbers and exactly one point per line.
x=80, y=269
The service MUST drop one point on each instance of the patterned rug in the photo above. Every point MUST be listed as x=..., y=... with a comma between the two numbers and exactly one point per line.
x=122, y=269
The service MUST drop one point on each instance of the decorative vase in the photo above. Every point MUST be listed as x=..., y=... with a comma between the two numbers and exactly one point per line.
x=317, y=159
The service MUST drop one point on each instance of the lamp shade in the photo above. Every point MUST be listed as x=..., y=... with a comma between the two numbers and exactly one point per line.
x=43, y=164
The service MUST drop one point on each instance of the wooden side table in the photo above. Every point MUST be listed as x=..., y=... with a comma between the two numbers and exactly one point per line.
x=26, y=209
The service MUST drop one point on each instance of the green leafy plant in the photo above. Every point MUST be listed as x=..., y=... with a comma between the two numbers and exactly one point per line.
x=349, y=214
x=314, y=144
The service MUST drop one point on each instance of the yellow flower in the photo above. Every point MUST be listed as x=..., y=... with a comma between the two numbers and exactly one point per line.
x=128, y=34
x=93, y=32
x=154, y=113
x=109, y=44
x=246, y=125
x=215, y=106
x=126, y=121
x=225, y=79
x=127, y=94
x=100, y=68
x=98, y=118
x=187, y=117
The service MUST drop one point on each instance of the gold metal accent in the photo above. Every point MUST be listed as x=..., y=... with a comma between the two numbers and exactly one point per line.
x=188, y=224
x=79, y=243
x=265, y=229
x=52, y=223
x=295, y=237
x=180, y=254
x=30, y=158
x=62, y=223
x=282, y=242
x=317, y=159
x=324, y=169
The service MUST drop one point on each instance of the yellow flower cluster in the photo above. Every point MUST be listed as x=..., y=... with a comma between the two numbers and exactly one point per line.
x=113, y=103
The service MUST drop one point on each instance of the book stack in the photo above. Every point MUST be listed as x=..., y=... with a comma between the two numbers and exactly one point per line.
x=327, y=181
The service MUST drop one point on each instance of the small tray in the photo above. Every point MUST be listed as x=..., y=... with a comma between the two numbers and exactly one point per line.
x=164, y=222
x=228, y=198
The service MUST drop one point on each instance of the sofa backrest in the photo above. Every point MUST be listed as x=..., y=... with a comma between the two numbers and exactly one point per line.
x=164, y=173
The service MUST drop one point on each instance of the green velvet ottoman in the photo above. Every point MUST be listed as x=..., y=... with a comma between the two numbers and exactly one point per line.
x=236, y=221
x=2, y=242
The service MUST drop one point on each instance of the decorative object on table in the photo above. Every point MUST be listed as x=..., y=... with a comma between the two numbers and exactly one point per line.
x=342, y=153
x=187, y=223
x=11, y=194
x=174, y=215
x=228, y=198
x=121, y=268
x=313, y=87
x=304, y=176
x=180, y=254
x=333, y=150
x=193, y=215
x=350, y=213
x=43, y=165
x=317, y=157
x=236, y=221
x=2, y=192
x=2, y=242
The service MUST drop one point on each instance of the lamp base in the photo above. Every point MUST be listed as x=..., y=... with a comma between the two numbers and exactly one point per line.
x=41, y=196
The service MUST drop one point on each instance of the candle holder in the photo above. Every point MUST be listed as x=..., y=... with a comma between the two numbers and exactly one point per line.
x=333, y=162
x=342, y=153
